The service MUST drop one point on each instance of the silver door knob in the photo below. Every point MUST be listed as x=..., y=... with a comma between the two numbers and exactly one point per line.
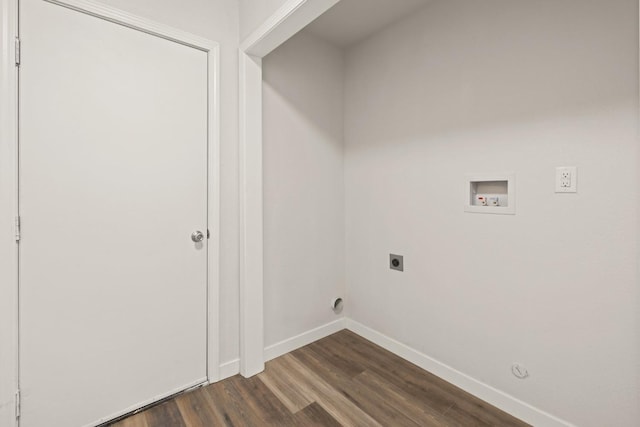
x=197, y=236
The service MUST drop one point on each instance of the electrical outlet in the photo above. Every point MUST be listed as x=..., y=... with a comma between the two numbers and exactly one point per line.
x=396, y=262
x=566, y=179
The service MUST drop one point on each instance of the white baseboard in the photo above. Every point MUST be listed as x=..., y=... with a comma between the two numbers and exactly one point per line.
x=491, y=395
x=229, y=369
x=232, y=367
x=288, y=345
x=495, y=397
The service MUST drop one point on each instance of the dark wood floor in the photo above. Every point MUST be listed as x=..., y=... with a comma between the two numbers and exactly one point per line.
x=341, y=380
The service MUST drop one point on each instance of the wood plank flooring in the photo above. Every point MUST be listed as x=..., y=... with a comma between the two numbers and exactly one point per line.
x=341, y=380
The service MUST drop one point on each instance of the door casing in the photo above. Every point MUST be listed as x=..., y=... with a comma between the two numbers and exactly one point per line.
x=278, y=28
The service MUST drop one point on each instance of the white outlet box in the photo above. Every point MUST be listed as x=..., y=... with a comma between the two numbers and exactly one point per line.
x=490, y=193
x=567, y=179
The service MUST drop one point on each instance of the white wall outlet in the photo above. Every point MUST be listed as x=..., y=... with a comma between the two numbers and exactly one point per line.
x=566, y=179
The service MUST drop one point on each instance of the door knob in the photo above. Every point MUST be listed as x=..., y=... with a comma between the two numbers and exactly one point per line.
x=197, y=236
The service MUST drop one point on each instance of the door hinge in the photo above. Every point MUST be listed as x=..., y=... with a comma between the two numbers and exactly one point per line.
x=17, y=403
x=17, y=51
x=17, y=229
x=208, y=234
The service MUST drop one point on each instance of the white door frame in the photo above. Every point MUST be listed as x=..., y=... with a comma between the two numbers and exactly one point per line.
x=9, y=203
x=293, y=16
x=8, y=212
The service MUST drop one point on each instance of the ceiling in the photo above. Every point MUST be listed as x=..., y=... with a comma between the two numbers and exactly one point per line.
x=351, y=21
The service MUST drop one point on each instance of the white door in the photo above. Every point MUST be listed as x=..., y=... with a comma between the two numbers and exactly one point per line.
x=113, y=181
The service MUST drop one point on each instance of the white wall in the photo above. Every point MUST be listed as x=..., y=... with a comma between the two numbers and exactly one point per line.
x=503, y=86
x=303, y=186
x=254, y=12
x=217, y=20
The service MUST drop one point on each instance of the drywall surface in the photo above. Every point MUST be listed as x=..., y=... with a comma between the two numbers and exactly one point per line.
x=254, y=12
x=468, y=87
x=303, y=186
x=216, y=20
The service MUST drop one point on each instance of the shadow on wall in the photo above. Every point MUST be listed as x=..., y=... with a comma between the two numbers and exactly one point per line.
x=474, y=65
x=303, y=186
x=303, y=77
